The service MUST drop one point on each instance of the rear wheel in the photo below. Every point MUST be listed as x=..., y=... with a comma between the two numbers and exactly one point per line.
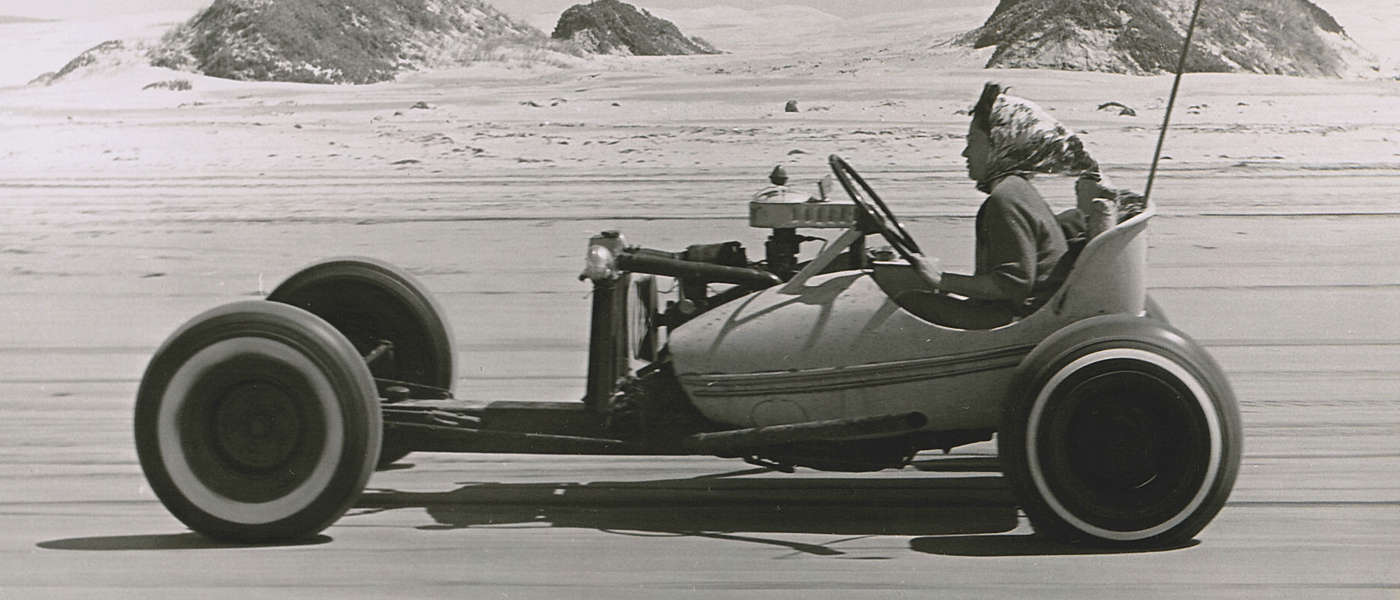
x=257, y=422
x=1121, y=431
x=371, y=302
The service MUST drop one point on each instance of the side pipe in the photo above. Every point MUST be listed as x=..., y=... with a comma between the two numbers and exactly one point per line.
x=438, y=438
x=837, y=429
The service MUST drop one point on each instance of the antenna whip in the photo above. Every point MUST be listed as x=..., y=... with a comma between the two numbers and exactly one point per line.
x=1176, y=85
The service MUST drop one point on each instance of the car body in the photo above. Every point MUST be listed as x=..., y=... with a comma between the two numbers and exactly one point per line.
x=1112, y=426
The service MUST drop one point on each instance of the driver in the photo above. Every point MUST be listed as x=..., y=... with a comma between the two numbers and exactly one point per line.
x=1019, y=240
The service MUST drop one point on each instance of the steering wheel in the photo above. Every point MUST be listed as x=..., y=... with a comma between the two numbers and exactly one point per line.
x=874, y=215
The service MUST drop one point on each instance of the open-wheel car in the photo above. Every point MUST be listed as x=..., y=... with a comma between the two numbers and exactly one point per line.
x=262, y=420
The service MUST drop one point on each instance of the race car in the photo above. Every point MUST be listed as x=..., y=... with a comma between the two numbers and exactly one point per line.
x=261, y=421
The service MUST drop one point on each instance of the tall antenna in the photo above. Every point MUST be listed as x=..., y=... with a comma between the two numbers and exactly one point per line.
x=1176, y=85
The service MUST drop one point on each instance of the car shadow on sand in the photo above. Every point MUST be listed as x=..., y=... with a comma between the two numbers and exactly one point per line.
x=958, y=512
x=171, y=541
x=1021, y=545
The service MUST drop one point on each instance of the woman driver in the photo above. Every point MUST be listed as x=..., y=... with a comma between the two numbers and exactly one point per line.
x=1019, y=240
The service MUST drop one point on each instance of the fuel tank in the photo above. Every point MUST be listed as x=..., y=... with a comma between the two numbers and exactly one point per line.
x=839, y=347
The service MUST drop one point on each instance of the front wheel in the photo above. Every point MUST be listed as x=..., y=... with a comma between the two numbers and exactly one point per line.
x=257, y=422
x=1121, y=431
x=372, y=302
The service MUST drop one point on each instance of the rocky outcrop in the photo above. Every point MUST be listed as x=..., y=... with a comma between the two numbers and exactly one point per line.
x=109, y=54
x=1284, y=37
x=336, y=41
x=613, y=27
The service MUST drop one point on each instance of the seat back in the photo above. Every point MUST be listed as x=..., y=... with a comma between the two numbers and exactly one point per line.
x=1108, y=277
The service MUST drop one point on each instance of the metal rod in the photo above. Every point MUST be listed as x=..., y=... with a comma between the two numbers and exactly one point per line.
x=384, y=347
x=1176, y=85
x=674, y=267
x=420, y=437
x=838, y=429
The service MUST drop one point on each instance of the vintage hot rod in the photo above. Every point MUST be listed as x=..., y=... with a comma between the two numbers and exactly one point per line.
x=262, y=420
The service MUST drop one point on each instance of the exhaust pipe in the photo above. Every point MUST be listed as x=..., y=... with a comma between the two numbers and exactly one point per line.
x=723, y=442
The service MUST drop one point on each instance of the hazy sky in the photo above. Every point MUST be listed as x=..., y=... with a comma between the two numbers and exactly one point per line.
x=66, y=9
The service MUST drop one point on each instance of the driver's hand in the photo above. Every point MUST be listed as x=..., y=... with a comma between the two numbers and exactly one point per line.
x=1086, y=190
x=928, y=269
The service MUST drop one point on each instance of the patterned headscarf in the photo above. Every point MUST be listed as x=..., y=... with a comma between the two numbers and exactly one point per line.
x=1025, y=140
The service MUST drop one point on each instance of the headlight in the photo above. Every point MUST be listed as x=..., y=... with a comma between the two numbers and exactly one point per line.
x=600, y=264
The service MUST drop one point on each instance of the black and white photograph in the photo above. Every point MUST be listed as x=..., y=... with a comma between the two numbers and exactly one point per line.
x=614, y=299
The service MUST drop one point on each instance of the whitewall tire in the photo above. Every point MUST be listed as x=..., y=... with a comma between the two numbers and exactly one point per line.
x=257, y=422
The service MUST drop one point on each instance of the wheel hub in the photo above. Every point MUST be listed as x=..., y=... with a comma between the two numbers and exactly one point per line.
x=1118, y=441
x=256, y=427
